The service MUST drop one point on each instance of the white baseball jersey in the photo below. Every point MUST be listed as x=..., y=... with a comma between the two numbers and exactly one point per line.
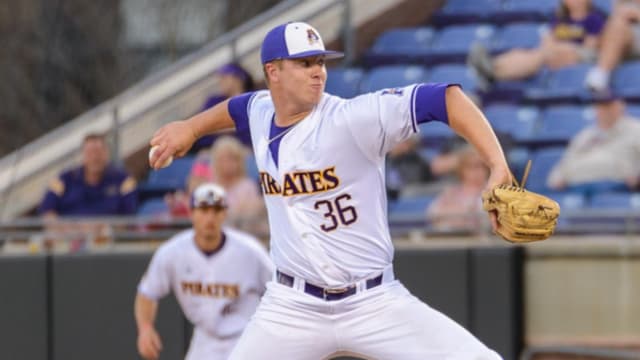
x=325, y=186
x=218, y=293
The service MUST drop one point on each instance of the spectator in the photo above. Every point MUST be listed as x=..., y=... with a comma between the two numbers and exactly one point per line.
x=456, y=207
x=226, y=166
x=405, y=167
x=602, y=157
x=95, y=188
x=573, y=39
x=231, y=80
x=620, y=39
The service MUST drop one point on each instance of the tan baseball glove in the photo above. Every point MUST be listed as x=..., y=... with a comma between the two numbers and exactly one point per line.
x=523, y=216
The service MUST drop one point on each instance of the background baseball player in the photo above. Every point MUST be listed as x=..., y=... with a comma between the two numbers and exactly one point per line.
x=218, y=276
x=321, y=162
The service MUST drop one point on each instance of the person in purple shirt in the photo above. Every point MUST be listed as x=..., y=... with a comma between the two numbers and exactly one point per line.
x=95, y=188
x=573, y=38
x=232, y=80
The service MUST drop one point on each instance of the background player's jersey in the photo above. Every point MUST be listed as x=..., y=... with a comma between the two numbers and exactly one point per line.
x=217, y=293
x=325, y=185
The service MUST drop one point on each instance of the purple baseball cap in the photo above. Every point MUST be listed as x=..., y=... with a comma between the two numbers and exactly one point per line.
x=294, y=40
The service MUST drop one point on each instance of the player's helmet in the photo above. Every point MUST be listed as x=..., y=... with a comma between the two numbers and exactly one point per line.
x=292, y=41
x=209, y=195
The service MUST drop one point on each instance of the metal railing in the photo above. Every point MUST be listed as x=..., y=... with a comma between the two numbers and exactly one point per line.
x=589, y=353
x=172, y=93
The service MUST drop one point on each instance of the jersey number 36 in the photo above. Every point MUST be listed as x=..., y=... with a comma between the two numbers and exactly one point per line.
x=337, y=212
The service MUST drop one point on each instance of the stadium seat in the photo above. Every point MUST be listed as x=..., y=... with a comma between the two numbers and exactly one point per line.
x=603, y=5
x=454, y=73
x=542, y=162
x=626, y=80
x=616, y=200
x=526, y=10
x=519, y=35
x=517, y=159
x=452, y=44
x=344, y=82
x=434, y=133
x=399, y=46
x=410, y=208
x=563, y=85
x=466, y=11
x=517, y=121
x=633, y=110
x=392, y=76
x=154, y=206
x=168, y=179
x=561, y=123
x=568, y=201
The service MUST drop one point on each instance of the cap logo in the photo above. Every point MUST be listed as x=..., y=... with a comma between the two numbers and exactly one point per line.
x=312, y=37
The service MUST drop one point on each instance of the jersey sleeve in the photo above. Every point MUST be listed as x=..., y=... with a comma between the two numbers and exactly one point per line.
x=380, y=120
x=156, y=281
x=239, y=107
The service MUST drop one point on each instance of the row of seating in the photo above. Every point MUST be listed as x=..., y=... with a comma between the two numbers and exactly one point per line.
x=427, y=45
x=501, y=11
x=548, y=87
x=414, y=209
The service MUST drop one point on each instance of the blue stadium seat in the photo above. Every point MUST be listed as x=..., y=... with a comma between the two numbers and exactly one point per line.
x=633, y=110
x=517, y=158
x=517, y=121
x=252, y=167
x=568, y=201
x=542, y=162
x=561, y=123
x=526, y=10
x=465, y=11
x=399, y=46
x=434, y=133
x=344, y=82
x=392, y=76
x=603, y=5
x=452, y=44
x=616, y=200
x=626, y=80
x=410, y=208
x=453, y=73
x=519, y=35
x=171, y=178
x=154, y=206
x=563, y=85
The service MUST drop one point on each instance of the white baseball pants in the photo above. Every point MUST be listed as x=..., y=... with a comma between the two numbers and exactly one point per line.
x=385, y=322
x=206, y=347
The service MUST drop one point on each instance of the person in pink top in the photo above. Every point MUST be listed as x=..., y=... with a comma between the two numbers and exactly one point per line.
x=225, y=165
x=457, y=206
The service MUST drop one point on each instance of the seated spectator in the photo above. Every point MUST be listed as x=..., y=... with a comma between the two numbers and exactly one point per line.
x=620, y=39
x=574, y=38
x=405, y=167
x=226, y=166
x=602, y=157
x=457, y=206
x=95, y=188
x=231, y=80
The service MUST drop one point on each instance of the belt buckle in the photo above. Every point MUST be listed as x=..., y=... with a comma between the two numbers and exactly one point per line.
x=327, y=292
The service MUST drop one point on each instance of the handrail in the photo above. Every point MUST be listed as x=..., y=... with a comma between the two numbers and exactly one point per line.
x=596, y=353
x=50, y=151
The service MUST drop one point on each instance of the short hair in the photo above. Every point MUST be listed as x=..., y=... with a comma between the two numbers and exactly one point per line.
x=264, y=69
x=95, y=136
x=234, y=146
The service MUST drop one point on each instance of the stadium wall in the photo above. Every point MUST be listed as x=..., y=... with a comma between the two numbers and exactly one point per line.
x=81, y=306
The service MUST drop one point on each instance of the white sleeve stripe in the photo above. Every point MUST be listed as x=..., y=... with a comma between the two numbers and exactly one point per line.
x=414, y=123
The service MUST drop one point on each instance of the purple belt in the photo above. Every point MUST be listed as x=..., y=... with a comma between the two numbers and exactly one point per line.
x=324, y=293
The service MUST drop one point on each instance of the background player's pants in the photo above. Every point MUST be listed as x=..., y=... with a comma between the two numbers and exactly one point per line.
x=386, y=322
x=206, y=347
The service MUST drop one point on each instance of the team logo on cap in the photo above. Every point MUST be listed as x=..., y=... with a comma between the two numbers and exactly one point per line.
x=312, y=37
